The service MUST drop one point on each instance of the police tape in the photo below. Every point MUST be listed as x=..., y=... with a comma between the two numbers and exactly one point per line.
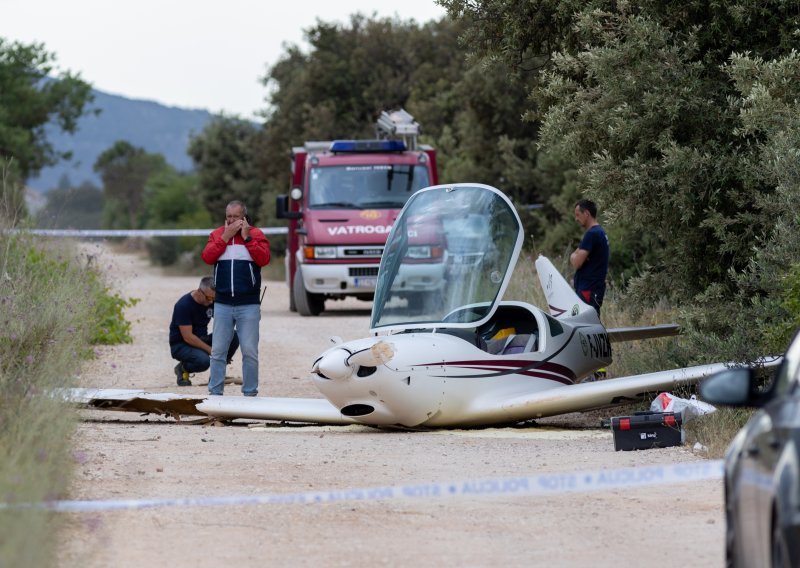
x=98, y=233
x=532, y=485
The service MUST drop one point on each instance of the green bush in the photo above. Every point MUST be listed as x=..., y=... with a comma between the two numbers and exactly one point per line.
x=109, y=326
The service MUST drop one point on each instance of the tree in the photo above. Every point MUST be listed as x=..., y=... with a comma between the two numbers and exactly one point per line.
x=125, y=170
x=30, y=98
x=72, y=207
x=227, y=154
x=767, y=301
x=636, y=107
x=172, y=200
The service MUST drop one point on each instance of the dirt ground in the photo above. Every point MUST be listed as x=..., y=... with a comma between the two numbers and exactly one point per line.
x=127, y=456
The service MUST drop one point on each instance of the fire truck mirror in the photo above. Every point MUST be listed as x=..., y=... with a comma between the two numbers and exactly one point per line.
x=282, y=209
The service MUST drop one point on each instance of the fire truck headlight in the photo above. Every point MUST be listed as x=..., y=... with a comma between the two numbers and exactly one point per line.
x=324, y=252
x=419, y=252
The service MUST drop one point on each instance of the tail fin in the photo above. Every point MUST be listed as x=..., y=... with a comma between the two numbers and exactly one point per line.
x=562, y=301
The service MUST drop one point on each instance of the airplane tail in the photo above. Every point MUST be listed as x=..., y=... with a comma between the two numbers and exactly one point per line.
x=562, y=301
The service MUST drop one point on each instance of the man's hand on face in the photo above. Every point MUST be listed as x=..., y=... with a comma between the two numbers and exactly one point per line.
x=231, y=229
x=245, y=229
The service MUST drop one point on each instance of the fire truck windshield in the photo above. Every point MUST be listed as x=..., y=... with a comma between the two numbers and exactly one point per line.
x=372, y=186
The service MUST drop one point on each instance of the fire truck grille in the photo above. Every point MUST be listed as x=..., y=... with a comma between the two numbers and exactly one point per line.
x=364, y=271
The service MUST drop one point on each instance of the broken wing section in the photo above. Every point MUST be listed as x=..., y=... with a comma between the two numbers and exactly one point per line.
x=304, y=410
x=132, y=400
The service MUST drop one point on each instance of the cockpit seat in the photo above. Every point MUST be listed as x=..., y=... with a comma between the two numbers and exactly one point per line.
x=517, y=343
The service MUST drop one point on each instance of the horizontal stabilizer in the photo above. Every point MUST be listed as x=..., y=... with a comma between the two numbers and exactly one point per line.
x=643, y=332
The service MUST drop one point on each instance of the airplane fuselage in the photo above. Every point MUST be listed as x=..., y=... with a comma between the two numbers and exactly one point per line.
x=441, y=379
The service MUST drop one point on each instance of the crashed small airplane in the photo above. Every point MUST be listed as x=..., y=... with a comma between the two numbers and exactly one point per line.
x=446, y=350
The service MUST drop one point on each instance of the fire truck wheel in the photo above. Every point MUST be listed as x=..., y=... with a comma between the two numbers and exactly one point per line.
x=307, y=304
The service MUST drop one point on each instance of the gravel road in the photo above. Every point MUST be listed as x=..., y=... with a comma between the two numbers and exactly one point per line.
x=127, y=456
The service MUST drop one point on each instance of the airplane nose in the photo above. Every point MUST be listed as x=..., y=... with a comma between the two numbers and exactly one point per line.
x=340, y=364
x=334, y=365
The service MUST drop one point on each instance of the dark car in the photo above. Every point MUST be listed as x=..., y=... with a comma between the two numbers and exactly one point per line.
x=762, y=465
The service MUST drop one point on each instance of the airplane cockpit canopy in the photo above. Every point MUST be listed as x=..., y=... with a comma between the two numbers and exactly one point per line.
x=448, y=259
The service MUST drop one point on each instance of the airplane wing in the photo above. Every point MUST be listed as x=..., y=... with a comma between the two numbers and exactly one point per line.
x=609, y=392
x=307, y=410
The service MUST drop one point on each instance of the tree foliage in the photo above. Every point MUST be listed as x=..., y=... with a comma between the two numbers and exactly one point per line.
x=31, y=96
x=637, y=107
x=227, y=155
x=72, y=207
x=469, y=112
x=125, y=170
x=172, y=201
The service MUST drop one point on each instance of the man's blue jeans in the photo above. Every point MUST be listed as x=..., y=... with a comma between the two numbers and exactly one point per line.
x=246, y=320
x=196, y=360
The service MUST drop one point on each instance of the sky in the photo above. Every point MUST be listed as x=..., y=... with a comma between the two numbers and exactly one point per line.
x=189, y=54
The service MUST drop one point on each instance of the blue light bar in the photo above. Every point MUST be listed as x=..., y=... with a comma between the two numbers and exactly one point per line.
x=363, y=146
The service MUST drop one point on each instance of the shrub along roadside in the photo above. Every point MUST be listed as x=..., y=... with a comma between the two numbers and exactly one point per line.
x=52, y=307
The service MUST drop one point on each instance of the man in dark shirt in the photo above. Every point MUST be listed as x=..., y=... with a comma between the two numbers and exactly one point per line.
x=590, y=259
x=189, y=340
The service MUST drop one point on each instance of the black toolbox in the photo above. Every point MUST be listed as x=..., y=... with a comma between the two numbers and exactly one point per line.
x=645, y=430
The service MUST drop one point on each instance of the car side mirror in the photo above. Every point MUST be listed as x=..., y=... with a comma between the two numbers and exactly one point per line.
x=733, y=387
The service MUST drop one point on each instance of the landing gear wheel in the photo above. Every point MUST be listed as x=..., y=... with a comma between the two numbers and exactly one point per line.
x=307, y=304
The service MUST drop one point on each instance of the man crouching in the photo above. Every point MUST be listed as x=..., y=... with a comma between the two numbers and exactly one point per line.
x=189, y=340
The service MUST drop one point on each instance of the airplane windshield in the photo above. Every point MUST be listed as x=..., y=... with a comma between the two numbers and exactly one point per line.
x=375, y=186
x=448, y=258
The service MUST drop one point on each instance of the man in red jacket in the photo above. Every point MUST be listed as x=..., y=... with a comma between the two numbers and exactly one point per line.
x=237, y=251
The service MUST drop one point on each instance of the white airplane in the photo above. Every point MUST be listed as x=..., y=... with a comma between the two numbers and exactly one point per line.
x=451, y=352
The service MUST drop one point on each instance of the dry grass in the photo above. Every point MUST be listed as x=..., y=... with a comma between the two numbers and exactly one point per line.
x=51, y=306
x=716, y=430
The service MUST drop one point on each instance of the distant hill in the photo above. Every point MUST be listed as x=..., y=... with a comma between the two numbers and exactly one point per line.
x=146, y=124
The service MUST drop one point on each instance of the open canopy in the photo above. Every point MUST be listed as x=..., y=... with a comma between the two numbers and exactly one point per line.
x=448, y=259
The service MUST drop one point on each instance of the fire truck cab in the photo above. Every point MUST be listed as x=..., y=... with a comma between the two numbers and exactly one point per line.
x=345, y=196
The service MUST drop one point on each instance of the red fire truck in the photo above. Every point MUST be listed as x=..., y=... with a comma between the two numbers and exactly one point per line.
x=345, y=196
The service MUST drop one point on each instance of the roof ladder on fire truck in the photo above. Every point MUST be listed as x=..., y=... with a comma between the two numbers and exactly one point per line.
x=398, y=124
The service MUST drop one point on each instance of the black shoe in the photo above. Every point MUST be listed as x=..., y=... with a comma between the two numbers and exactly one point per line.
x=182, y=376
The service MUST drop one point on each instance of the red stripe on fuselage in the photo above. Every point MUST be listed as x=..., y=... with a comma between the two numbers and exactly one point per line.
x=524, y=364
x=531, y=373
